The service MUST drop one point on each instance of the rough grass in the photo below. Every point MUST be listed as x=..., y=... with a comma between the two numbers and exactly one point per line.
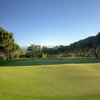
x=50, y=82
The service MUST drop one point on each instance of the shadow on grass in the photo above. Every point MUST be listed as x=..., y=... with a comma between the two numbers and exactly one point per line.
x=31, y=62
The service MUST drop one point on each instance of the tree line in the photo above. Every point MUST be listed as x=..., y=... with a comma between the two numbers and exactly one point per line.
x=88, y=47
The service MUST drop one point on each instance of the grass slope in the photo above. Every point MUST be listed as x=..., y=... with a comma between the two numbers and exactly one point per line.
x=50, y=82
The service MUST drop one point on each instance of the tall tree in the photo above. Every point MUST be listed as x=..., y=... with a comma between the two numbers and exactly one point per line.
x=7, y=43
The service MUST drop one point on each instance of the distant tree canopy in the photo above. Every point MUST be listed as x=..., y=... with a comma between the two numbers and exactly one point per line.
x=8, y=48
x=89, y=47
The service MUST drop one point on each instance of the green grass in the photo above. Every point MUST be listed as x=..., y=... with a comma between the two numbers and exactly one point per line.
x=48, y=61
x=50, y=82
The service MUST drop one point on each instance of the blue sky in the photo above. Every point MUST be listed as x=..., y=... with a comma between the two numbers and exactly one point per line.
x=50, y=22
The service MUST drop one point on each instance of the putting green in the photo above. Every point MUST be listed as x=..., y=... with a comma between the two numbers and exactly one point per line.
x=50, y=82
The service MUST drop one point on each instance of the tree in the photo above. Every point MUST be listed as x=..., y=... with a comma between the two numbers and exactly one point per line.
x=7, y=44
x=34, y=51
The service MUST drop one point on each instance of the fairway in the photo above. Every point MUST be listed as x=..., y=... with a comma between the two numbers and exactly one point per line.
x=50, y=82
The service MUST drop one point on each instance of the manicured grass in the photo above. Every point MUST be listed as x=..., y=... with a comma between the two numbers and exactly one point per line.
x=50, y=82
x=48, y=61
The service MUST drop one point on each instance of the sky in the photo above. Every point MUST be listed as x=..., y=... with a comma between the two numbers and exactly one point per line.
x=50, y=22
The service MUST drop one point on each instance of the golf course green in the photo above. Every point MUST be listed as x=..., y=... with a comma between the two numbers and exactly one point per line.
x=50, y=82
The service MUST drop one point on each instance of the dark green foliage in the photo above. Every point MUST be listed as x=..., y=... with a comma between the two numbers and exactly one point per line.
x=35, y=51
x=47, y=61
x=89, y=47
x=8, y=48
